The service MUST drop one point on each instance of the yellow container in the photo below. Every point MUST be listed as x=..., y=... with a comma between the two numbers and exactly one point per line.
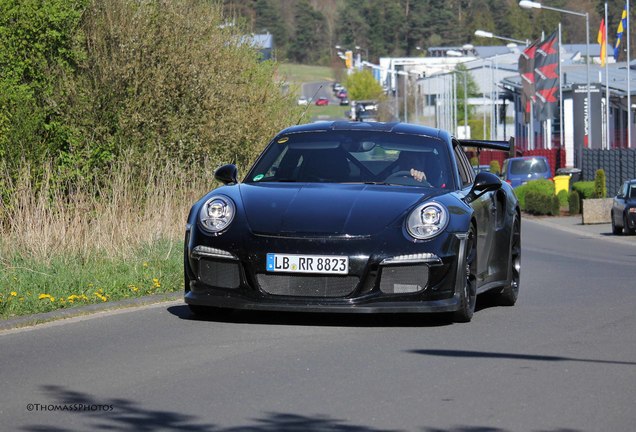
x=561, y=182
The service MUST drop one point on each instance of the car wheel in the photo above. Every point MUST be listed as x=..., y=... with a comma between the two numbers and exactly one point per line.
x=615, y=230
x=508, y=296
x=468, y=293
x=626, y=228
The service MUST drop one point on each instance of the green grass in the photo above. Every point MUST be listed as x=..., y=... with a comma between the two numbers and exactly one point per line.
x=30, y=286
x=329, y=112
x=295, y=73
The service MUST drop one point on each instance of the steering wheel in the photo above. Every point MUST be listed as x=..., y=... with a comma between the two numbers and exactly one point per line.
x=405, y=175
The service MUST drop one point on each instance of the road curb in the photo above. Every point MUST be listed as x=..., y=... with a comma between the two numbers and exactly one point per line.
x=598, y=231
x=42, y=318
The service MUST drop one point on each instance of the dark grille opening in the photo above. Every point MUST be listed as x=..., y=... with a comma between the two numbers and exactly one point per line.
x=221, y=274
x=404, y=279
x=307, y=286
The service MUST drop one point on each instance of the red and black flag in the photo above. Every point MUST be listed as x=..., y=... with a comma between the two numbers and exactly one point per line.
x=546, y=77
x=526, y=70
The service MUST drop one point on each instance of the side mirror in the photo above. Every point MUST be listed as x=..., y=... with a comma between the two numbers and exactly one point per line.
x=227, y=174
x=484, y=182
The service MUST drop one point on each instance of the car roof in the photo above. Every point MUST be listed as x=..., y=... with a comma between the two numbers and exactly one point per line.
x=391, y=127
x=527, y=158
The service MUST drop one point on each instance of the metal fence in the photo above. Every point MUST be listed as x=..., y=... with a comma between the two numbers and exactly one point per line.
x=619, y=165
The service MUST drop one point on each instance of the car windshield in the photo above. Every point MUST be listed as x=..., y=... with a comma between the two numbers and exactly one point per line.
x=354, y=157
x=527, y=166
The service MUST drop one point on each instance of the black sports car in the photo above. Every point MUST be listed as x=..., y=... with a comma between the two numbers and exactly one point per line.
x=623, y=211
x=355, y=217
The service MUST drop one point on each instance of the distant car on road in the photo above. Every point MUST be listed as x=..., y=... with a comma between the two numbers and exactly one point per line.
x=623, y=211
x=303, y=101
x=344, y=101
x=342, y=94
x=481, y=168
x=321, y=101
x=520, y=170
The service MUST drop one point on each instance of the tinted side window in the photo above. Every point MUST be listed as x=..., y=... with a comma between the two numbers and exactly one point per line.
x=466, y=173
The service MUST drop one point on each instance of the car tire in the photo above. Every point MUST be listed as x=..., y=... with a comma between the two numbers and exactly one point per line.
x=468, y=293
x=615, y=230
x=626, y=228
x=510, y=293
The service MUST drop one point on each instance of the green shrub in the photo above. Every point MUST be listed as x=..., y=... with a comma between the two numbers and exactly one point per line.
x=474, y=161
x=555, y=208
x=521, y=191
x=564, y=197
x=540, y=198
x=585, y=189
x=600, y=188
x=574, y=203
x=495, y=168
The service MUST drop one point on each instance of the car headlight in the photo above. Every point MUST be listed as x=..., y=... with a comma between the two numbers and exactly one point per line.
x=427, y=220
x=217, y=213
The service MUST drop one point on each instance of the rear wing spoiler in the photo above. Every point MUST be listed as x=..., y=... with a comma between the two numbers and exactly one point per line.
x=508, y=146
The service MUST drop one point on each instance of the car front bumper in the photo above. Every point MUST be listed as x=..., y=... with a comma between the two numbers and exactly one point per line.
x=410, y=278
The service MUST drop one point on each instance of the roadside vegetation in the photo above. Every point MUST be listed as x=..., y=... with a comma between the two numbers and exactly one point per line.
x=113, y=116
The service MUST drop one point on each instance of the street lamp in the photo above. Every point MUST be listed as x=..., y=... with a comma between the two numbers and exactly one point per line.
x=527, y=4
x=366, y=51
x=487, y=34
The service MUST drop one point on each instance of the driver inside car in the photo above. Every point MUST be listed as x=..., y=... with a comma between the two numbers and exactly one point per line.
x=414, y=163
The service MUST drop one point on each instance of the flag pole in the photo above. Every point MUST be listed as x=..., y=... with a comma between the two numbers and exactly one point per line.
x=607, y=90
x=561, y=143
x=629, y=90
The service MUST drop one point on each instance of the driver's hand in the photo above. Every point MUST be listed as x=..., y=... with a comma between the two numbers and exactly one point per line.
x=418, y=175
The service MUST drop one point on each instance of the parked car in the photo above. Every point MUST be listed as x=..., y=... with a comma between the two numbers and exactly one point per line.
x=623, y=211
x=321, y=101
x=303, y=101
x=481, y=168
x=344, y=102
x=520, y=170
x=342, y=94
x=331, y=218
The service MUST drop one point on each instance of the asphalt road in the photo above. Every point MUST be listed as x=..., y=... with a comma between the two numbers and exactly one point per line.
x=563, y=359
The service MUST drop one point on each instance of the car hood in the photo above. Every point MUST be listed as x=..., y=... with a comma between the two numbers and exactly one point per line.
x=327, y=209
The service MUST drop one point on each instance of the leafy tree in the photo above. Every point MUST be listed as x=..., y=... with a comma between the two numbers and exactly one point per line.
x=464, y=92
x=310, y=43
x=39, y=51
x=362, y=85
x=268, y=19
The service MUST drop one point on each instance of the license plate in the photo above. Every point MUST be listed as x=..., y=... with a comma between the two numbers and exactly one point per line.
x=307, y=264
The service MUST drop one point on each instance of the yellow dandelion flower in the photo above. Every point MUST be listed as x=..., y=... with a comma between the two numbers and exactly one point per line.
x=52, y=299
x=145, y=264
x=14, y=294
x=44, y=296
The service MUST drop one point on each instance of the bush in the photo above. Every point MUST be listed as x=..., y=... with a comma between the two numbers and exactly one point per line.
x=474, y=161
x=540, y=198
x=521, y=191
x=600, y=188
x=585, y=189
x=555, y=208
x=564, y=197
x=574, y=203
x=495, y=168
